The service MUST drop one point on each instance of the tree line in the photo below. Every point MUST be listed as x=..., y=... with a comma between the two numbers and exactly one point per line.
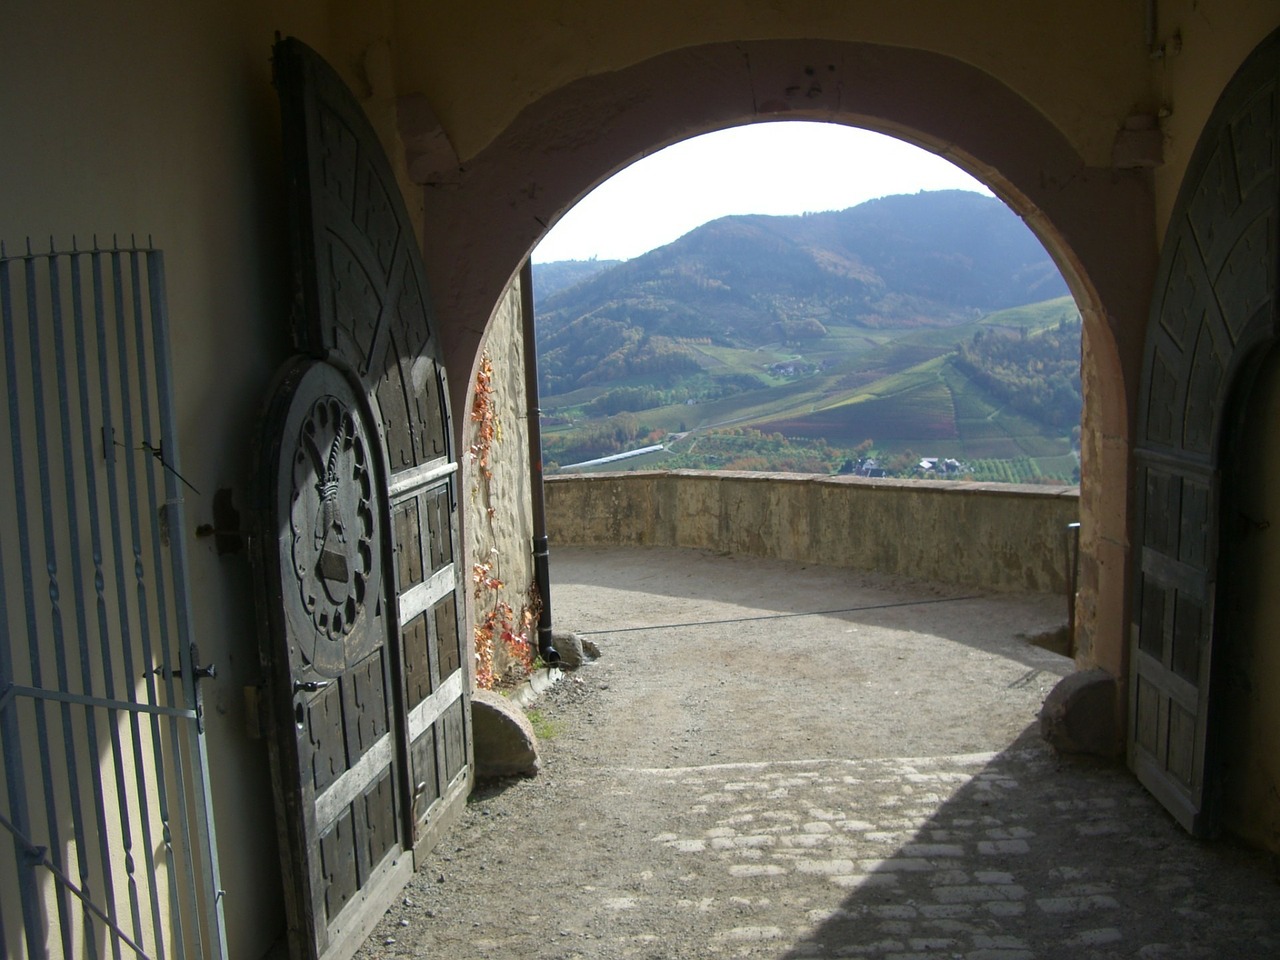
x=1037, y=375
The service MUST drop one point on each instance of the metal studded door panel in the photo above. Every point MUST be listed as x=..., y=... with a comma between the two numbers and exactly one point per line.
x=1214, y=305
x=389, y=738
x=329, y=658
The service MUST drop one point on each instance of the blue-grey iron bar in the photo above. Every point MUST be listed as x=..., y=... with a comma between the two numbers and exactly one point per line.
x=37, y=854
x=15, y=777
x=104, y=635
x=121, y=319
x=55, y=608
x=116, y=539
x=204, y=826
x=80, y=625
x=61, y=696
x=161, y=591
x=82, y=544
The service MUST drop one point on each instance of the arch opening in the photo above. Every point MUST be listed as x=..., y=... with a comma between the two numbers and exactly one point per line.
x=1094, y=222
x=805, y=297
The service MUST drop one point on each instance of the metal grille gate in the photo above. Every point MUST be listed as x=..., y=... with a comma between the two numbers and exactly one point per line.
x=104, y=791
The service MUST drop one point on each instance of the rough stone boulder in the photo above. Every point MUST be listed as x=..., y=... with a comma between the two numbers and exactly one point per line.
x=505, y=745
x=573, y=649
x=1079, y=715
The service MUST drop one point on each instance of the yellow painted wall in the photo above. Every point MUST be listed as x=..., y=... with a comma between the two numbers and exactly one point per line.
x=1084, y=64
x=1205, y=44
x=159, y=119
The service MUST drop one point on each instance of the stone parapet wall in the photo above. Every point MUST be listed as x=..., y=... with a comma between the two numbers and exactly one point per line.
x=997, y=536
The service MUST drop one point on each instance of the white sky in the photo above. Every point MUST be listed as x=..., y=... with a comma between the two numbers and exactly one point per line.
x=773, y=168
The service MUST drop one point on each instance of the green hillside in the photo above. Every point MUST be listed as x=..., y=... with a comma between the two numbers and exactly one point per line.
x=551, y=278
x=957, y=402
x=896, y=330
x=991, y=390
x=819, y=283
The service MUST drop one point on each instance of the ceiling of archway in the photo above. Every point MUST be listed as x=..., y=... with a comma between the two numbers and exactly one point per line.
x=1083, y=65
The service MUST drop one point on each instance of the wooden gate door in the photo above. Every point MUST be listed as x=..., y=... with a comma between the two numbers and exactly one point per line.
x=368, y=698
x=1214, y=306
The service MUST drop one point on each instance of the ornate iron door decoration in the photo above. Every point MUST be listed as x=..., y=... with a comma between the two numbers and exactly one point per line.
x=332, y=522
x=334, y=750
x=368, y=685
x=1214, y=306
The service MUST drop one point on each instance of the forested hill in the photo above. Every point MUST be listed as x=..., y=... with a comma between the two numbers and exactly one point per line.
x=919, y=260
x=551, y=278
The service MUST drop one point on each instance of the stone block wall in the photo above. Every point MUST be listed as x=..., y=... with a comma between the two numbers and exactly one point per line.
x=998, y=536
x=498, y=511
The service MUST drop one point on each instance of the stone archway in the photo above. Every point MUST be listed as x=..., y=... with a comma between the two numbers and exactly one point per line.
x=1096, y=222
x=1213, y=311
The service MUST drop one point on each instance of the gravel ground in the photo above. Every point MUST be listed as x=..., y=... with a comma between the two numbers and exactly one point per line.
x=729, y=780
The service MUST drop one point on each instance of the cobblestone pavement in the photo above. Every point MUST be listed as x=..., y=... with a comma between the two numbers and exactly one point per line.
x=664, y=825
x=979, y=856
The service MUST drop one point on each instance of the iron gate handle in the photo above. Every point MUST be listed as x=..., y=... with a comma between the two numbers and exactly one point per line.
x=199, y=672
x=310, y=686
x=207, y=672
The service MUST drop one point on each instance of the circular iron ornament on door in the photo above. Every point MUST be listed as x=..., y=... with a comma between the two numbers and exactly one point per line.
x=331, y=517
x=327, y=516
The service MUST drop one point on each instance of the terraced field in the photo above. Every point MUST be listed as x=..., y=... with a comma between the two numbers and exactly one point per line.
x=903, y=390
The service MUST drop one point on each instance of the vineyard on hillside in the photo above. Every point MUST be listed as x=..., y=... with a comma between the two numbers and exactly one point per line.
x=738, y=348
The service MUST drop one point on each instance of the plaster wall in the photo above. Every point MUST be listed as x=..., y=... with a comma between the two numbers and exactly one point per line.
x=997, y=536
x=159, y=120
x=1248, y=659
x=1083, y=65
x=498, y=513
x=1105, y=501
x=1200, y=47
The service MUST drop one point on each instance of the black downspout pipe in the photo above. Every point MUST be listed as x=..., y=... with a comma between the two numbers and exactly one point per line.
x=541, y=555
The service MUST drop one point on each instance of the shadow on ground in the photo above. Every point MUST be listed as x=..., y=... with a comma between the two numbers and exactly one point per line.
x=1023, y=855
